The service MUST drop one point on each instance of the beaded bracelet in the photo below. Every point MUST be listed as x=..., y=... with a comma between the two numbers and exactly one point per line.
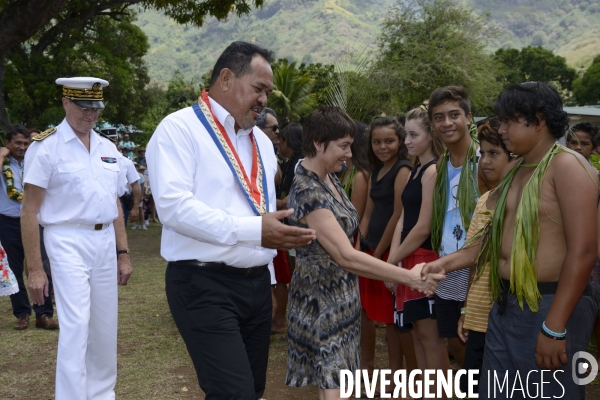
x=551, y=334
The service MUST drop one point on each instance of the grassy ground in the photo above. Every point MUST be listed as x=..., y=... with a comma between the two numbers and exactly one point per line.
x=152, y=359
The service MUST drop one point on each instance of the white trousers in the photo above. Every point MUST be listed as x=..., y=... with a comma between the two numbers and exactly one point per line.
x=84, y=272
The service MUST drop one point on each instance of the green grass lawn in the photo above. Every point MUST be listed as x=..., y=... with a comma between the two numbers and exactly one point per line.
x=153, y=362
x=152, y=359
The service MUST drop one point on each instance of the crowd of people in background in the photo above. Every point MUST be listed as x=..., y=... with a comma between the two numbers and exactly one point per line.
x=468, y=242
x=392, y=178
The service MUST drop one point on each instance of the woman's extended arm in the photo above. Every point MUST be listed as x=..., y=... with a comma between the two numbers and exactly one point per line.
x=334, y=240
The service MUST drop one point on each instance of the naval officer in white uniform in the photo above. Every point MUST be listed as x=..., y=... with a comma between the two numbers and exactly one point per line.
x=71, y=179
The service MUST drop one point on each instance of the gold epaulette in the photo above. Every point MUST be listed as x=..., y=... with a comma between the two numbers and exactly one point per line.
x=113, y=141
x=44, y=134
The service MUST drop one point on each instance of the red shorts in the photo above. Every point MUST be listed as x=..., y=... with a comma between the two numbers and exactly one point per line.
x=282, y=269
x=376, y=300
x=411, y=305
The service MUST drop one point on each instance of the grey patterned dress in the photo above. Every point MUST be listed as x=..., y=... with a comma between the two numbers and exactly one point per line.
x=324, y=301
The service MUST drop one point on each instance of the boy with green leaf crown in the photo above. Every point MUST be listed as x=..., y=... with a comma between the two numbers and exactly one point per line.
x=541, y=246
x=455, y=196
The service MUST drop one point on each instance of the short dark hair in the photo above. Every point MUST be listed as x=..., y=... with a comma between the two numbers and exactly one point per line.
x=292, y=134
x=390, y=122
x=261, y=121
x=449, y=93
x=323, y=125
x=487, y=129
x=587, y=128
x=14, y=130
x=237, y=57
x=527, y=100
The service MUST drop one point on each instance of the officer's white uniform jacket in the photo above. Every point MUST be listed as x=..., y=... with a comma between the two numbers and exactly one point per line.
x=81, y=186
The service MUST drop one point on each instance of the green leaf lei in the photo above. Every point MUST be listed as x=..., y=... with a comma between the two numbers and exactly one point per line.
x=523, y=277
x=9, y=176
x=467, y=193
x=349, y=185
x=595, y=161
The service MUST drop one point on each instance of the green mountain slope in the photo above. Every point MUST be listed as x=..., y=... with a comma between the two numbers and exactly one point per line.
x=320, y=30
x=568, y=27
x=305, y=30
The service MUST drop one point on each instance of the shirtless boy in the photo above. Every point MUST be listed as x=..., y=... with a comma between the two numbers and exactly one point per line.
x=543, y=311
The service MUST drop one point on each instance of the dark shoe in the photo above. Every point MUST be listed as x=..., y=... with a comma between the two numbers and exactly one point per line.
x=46, y=322
x=22, y=323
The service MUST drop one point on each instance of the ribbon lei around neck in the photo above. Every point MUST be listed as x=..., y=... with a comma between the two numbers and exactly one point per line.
x=255, y=189
x=523, y=276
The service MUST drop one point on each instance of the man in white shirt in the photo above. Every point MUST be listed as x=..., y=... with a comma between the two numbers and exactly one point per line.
x=212, y=177
x=72, y=179
x=11, y=198
x=132, y=189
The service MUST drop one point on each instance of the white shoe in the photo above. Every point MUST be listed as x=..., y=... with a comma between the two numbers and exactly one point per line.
x=143, y=228
x=147, y=223
x=135, y=227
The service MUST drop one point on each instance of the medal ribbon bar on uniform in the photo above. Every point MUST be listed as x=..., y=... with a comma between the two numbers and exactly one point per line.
x=255, y=190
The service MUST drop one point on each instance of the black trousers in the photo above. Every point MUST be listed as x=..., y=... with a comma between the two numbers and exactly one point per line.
x=473, y=358
x=225, y=322
x=10, y=237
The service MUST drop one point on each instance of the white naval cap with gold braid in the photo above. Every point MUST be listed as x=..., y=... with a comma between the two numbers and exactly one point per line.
x=84, y=91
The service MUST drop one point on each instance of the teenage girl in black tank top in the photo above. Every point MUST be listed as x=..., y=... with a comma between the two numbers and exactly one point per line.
x=388, y=156
x=411, y=244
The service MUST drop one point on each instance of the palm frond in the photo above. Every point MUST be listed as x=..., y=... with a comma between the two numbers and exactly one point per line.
x=348, y=87
x=292, y=92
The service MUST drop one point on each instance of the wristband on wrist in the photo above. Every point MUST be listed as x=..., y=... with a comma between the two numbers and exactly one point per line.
x=551, y=334
x=463, y=310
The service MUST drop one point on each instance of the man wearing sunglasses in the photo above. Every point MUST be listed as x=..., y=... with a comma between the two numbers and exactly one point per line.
x=72, y=183
x=267, y=122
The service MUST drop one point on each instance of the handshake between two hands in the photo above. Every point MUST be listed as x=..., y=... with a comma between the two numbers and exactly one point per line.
x=423, y=277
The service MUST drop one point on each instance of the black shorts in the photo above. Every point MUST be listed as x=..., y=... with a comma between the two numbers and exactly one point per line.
x=447, y=313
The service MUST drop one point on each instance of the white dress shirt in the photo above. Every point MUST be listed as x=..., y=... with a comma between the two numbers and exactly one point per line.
x=130, y=173
x=81, y=186
x=205, y=215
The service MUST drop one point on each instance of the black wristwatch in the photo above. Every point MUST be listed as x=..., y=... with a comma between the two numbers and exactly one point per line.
x=119, y=252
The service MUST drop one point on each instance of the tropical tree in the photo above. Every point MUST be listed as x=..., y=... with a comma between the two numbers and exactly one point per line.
x=535, y=63
x=355, y=88
x=425, y=44
x=321, y=75
x=181, y=93
x=155, y=112
x=109, y=48
x=587, y=88
x=32, y=32
x=292, y=95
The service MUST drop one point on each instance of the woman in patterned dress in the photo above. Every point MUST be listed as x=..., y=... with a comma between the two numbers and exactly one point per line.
x=324, y=303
